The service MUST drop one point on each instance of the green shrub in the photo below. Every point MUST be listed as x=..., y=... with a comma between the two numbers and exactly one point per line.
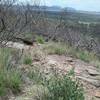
x=27, y=60
x=40, y=39
x=64, y=88
x=83, y=56
x=60, y=51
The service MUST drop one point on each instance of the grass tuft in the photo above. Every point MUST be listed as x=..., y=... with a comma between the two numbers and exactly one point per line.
x=9, y=78
x=27, y=60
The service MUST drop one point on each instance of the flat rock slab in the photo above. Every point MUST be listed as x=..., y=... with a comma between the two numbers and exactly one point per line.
x=17, y=45
x=97, y=94
x=96, y=83
x=93, y=72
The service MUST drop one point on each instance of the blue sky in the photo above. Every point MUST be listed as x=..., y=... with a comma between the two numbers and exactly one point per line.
x=87, y=5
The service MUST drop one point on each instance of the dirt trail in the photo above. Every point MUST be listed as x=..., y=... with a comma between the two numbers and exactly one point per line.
x=86, y=73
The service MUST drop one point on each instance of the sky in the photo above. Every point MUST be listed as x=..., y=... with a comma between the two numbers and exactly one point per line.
x=86, y=5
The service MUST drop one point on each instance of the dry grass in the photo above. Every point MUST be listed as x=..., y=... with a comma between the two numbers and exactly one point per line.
x=10, y=77
x=63, y=49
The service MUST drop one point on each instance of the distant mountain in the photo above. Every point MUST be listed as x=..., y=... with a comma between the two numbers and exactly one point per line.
x=69, y=9
x=58, y=9
x=54, y=8
x=89, y=12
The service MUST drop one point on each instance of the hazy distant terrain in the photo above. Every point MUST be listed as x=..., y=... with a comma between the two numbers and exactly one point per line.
x=71, y=12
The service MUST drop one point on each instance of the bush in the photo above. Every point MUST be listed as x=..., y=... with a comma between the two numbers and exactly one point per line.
x=60, y=51
x=40, y=39
x=83, y=56
x=64, y=88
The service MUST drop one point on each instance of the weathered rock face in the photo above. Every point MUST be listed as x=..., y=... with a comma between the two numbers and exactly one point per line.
x=94, y=82
x=17, y=45
x=93, y=72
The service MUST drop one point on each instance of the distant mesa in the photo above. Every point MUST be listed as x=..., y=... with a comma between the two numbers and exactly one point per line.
x=54, y=8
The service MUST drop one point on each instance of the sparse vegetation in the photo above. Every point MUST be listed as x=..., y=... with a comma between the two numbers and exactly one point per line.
x=40, y=39
x=10, y=80
x=55, y=48
x=57, y=87
x=64, y=49
x=86, y=56
x=9, y=77
x=64, y=88
x=35, y=75
x=27, y=60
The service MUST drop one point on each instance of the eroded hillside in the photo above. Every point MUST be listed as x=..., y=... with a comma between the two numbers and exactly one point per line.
x=41, y=62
